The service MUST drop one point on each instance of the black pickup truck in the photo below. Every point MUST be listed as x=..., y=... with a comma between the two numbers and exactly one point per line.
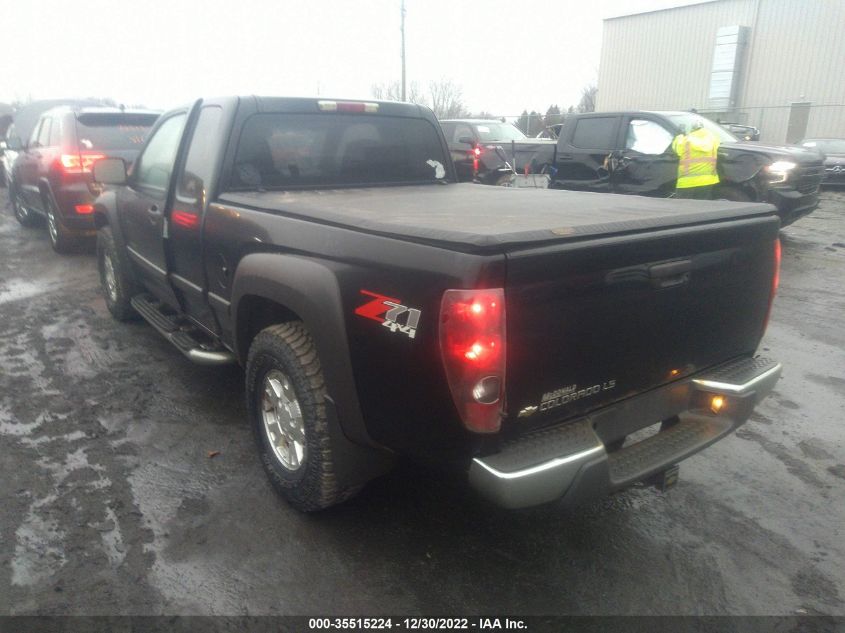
x=631, y=153
x=381, y=309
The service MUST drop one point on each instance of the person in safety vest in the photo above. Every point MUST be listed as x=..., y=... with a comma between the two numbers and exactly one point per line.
x=697, y=152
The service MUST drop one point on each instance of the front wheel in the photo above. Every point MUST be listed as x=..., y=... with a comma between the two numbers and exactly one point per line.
x=286, y=399
x=732, y=193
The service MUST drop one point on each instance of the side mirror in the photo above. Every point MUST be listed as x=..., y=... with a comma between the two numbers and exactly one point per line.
x=110, y=171
x=13, y=143
x=466, y=140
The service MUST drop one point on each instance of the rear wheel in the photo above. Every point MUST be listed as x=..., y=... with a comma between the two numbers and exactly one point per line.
x=115, y=280
x=286, y=399
x=60, y=237
x=22, y=214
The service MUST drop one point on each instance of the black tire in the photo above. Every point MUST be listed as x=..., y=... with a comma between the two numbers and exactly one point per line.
x=22, y=214
x=119, y=290
x=735, y=194
x=286, y=351
x=61, y=239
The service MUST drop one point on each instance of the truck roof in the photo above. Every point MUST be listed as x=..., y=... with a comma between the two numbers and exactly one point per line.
x=472, y=218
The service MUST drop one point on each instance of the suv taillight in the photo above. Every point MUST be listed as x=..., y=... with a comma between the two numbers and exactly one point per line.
x=472, y=344
x=81, y=163
x=775, y=283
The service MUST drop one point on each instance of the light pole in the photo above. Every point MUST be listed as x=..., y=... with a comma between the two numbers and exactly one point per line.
x=403, y=50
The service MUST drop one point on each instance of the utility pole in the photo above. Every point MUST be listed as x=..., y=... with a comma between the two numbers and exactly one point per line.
x=404, y=98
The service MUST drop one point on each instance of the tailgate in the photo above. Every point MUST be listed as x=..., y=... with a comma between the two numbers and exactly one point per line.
x=597, y=321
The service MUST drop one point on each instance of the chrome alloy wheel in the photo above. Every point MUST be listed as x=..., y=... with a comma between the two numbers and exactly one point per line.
x=21, y=212
x=109, y=277
x=282, y=417
x=51, y=224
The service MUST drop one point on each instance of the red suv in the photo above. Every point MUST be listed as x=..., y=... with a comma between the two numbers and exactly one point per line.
x=52, y=176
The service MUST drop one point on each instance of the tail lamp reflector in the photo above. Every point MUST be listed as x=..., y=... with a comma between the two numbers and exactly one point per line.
x=775, y=282
x=473, y=345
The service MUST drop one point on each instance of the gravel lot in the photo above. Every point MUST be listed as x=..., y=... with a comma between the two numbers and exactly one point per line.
x=110, y=503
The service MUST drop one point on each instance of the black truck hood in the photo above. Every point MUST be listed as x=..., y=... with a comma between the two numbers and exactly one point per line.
x=474, y=218
x=794, y=153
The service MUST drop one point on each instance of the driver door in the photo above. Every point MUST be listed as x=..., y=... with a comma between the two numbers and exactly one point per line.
x=646, y=165
x=142, y=206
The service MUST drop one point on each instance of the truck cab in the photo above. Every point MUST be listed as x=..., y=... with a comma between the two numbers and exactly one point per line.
x=631, y=153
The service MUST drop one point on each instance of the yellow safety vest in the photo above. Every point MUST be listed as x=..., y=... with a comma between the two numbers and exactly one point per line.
x=697, y=153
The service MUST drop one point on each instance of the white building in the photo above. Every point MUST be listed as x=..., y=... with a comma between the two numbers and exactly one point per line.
x=776, y=64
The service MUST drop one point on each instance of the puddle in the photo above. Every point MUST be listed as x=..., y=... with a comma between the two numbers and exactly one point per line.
x=17, y=289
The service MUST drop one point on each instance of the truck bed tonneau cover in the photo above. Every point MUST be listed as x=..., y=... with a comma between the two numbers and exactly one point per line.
x=473, y=218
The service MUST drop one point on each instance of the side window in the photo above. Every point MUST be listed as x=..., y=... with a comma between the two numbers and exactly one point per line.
x=647, y=137
x=595, y=133
x=199, y=165
x=56, y=133
x=43, y=134
x=155, y=165
x=33, y=138
x=461, y=130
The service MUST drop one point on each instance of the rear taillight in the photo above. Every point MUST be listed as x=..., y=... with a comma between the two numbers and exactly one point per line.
x=775, y=283
x=472, y=344
x=81, y=163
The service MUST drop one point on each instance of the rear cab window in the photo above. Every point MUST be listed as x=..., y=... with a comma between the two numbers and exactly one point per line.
x=496, y=132
x=113, y=130
x=289, y=150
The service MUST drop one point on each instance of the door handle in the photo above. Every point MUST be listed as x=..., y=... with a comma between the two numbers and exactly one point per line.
x=154, y=210
x=670, y=274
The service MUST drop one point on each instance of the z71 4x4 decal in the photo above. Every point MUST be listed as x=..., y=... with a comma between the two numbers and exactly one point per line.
x=390, y=313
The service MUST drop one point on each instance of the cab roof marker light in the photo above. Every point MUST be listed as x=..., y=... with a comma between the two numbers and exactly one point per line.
x=347, y=106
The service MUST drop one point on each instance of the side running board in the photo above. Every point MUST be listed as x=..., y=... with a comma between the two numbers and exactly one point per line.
x=185, y=337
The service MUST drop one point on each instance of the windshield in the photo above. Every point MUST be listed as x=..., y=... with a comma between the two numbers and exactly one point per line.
x=690, y=120
x=490, y=132
x=828, y=146
x=316, y=150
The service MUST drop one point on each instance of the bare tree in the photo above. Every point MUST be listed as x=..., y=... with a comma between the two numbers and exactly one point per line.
x=588, y=99
x=446, y=99
x=392, y=91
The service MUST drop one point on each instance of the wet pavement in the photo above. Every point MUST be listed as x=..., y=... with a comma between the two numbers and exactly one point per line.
x=111, y=504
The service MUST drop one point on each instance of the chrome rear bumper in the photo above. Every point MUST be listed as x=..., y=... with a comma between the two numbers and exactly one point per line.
x=570, y=462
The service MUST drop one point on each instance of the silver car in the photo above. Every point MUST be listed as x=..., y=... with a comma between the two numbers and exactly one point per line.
x=7, y=156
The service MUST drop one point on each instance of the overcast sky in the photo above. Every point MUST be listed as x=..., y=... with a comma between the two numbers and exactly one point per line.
x=505, y=55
